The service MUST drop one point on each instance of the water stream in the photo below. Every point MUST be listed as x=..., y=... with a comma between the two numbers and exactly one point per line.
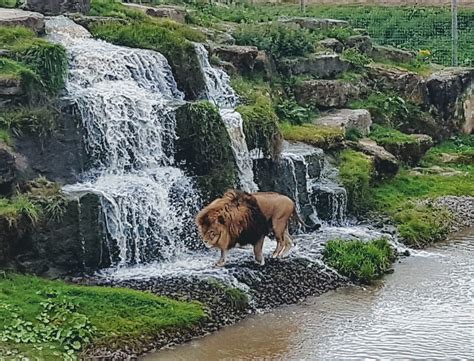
x=424, y=310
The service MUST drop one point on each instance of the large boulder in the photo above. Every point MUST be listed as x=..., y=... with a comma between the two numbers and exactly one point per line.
x=333, y=44
x=265, y=65
x=390, y=53
x=410, y=151
x=451, y=95
x=328, y=93
x=322, y=66
x=348, y=119
x=362, y=43
x=175, y=13
x=385, y=163
x=243, y=58
x=410, y=86
x=16, y=17
x=58, y=7
x=312, y=23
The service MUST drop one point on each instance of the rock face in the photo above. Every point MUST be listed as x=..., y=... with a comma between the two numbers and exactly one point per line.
x=175, y=13
x=321, y=66
x=408, y=85
x=265, y=65
x=362, y=43
x=385, y=163
x=8, y=171
x=384, y=53
x=328, y=93
x=312, y=23
x=61, y=157
x=451, y=94
x=411, y=152
x=74, y=244
x=243, y=58
x=468, y=105
x=11, y=91
x=16, y=17
x=333, y=44
x=358, y=119
x=58, y=7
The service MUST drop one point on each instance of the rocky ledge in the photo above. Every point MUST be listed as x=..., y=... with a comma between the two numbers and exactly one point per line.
x=277, y=283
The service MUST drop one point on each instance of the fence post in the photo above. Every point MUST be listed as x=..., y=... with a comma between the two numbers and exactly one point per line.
x=454, y=32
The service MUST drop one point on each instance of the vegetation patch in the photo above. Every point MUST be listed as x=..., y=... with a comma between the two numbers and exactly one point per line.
x=204, y=145
x=356, y=170
x=358, y=60
x=41, y=121
x=317, y=135
x=46, y=62
x=360, y=261
x=384, y=135
x=53, y=320
x=114, y=8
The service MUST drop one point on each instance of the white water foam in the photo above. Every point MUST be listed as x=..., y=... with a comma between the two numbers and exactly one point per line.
x=126, y=99
x=220, y=92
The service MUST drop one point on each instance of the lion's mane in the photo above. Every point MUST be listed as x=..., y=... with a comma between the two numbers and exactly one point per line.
x=239, y=213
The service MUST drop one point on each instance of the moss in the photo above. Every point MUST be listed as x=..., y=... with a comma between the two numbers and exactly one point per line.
x=117, y=318
x=384, y=136
x=8, y=3
x=360, y=261
x=14, y=71
x=204, y=145
x=114, y=8
x=171, y=39
x=356, y=170
x=319, y=136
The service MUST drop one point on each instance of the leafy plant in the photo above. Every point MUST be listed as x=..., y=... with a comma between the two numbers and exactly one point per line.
x=288, y=110
x=356, y=58
x=360, y=261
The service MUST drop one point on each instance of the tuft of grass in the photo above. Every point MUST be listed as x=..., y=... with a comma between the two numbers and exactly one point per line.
x=5, y=137
x=17, y=207
x=360, y=261
x=113, y=8
x=96, y=316
x=319, y=136
x=237, y=298
x=40, y=121
x=356, y=170
x=384, y=135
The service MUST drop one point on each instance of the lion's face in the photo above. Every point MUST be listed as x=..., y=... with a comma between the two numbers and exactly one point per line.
x=216, y=235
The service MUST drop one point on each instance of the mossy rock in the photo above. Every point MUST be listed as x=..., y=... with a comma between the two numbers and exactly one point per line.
x=317, y=135
x=204, y=146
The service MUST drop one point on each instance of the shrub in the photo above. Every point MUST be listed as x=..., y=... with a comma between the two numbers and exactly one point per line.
x=356, y=170
x=114, y=8
x=277, y=39
x=383, y=136
x=360, y=261
x=356, y=58
x=288, y=110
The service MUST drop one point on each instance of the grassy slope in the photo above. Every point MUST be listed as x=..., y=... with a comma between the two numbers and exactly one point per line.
x=120, y=316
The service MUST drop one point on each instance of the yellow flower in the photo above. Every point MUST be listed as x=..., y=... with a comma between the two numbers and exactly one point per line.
x=424, y=52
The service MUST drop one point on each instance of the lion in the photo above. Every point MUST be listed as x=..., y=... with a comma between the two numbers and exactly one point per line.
x=246, y=218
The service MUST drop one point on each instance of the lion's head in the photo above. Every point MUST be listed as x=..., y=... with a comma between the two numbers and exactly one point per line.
x=233, y=218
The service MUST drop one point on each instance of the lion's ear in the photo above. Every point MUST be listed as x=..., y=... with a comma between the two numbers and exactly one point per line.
x=221, y=220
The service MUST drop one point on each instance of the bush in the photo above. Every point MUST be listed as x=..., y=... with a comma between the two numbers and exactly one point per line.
x=356, y=170
x=277, y=39
x=356, y=58
x=360, y=261
x=288, y=110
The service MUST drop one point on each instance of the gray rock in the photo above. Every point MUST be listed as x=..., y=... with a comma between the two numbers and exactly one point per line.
x=363, y=43
x=264, y=64
x=330, y=201
x=320, y=66
x=10, y=89
x=88, y=21
x=312, y=23
x=385, y=163
x=410, y=86
x=333, y=44
x=328, y=93
x=390, y=53
x=358, y=119
x=58, y=7
x=242, y=57
x=410, y=152
x=175, y=13
x=16, y=17
x=451, y=96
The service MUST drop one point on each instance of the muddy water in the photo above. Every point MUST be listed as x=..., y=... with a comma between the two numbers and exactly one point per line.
x=424, y=310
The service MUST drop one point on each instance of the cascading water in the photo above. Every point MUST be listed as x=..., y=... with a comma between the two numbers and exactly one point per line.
x=219, y=91
x=126, y=98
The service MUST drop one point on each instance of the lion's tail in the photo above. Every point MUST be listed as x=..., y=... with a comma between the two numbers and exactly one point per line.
x=299, y=220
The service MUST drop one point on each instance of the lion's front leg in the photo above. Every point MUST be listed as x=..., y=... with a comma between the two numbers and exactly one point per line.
x=258, y=251
x=221, y=262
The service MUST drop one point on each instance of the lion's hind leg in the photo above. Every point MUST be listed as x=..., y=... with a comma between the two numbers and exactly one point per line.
x=288, y=243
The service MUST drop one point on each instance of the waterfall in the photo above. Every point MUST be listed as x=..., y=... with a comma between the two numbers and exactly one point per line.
x=220, y=92
x=126, y=98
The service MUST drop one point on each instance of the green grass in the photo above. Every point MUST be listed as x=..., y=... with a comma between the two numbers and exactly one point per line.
x=114, y=8
x=8, y=3
x=384, y=135
x=356, y=170
x=40, y=120
x=12, y=209
x=360, y=261
x=96, y=316
x=5, y=137
x=317, y=135
x=39, y=63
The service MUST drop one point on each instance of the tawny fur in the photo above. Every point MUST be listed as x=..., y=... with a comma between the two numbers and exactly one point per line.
x=239, y=217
